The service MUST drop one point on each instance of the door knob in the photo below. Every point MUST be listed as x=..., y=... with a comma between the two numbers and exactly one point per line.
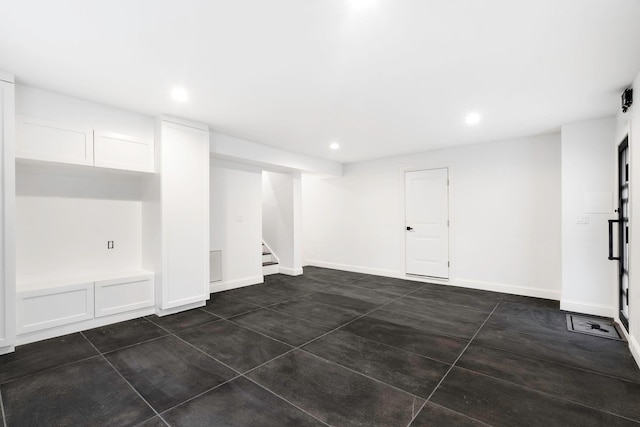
x=409, y=228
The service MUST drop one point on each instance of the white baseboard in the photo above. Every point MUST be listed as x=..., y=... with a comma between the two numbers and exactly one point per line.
x=236, y=283
x=464, y=283
x=82, y=326
x=353, y=268
x=587, y=308
x=635, y=349
x=7, y=350
x=508, y=289
x=291, y=271
x=174, y=310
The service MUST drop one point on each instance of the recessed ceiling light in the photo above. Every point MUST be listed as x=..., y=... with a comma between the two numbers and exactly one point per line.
x=334, y=145
x=473, y=119
x=179, y=94
x=361, y=5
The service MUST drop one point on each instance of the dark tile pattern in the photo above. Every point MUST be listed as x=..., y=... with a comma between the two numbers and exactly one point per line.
x=402, y=369
x=334, y=394
x=123, y=334
x=596, y=354
x=237, y=347
x=239, y=403
x=168, y=371
x=225, y=306
x=433, y=316
x=435, y=415
x=74, y=395
x=43, y=355
x=184, y=320
x=374, y=349
x=425, y=343
x=589, y=388
x=283, y=327
x=317, y=312
x=500, y=403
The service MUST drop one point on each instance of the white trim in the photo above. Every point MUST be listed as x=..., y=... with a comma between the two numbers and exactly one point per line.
x=634, y=346
x=172, y=120
x=233, y=284
x=291, y=271
x=403, y=205
x=463, y=283
x=81, y=326
x=588, y=308
x=508, y=289
x=7, y=350
x=173, y=310
x=353, y=268
x=7, y=77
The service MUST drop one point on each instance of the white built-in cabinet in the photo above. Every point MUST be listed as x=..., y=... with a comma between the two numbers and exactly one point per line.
x=41, y=306
x=79, y=187
x=58, y=142
x=7, y=214
x=184, y=196
x=69, y=190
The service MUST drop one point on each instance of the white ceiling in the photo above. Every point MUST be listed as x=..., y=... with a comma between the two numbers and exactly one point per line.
x=381, y=77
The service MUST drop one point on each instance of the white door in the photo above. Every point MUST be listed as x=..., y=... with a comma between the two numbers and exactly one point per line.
x=427, y=222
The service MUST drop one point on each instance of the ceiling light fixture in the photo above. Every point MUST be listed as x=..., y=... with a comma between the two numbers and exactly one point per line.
x=334, y=145
x=179, y=94
x=472, y=119
x=362, y=5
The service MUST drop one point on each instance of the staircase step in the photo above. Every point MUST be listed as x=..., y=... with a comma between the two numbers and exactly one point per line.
x=266, y=253
x=264, y=264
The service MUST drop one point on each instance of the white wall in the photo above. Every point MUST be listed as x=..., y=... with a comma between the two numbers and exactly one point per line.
x=236, y=222
x=505, y=215
x=281, y=222
x=63, y=223
x=589, y=182
x=248, y=152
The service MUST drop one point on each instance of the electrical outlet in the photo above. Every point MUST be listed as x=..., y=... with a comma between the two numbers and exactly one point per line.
x=582, y=220
x=110, y=244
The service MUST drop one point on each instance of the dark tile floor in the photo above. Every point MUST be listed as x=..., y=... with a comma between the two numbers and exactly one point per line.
x=329, y=348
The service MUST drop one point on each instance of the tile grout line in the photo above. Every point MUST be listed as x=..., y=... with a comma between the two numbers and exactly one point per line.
x=208, y=355
x=285, y=400
x=462, y=352
x=565, y=365
x=542, y=359
x=299, y=347
x=198, y=395
x=124, y=379
x=358, y=318
x=4, y=416
x=360, y=373
x=454, y=362
x=461, y=414
x=552, y=396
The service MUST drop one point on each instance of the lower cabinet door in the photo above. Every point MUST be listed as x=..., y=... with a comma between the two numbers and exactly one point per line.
x=124, y=294
x=50, y=307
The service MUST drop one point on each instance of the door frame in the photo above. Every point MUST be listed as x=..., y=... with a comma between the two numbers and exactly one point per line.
x=624, y=145
x=403, y=218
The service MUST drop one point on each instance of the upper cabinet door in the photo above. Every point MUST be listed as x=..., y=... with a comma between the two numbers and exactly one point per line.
x=117, y=151
x=41, y=140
